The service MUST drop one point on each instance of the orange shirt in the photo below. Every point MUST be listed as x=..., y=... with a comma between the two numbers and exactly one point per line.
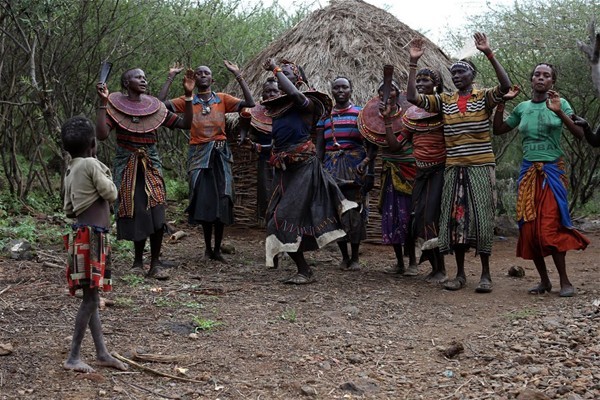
x=210, y=126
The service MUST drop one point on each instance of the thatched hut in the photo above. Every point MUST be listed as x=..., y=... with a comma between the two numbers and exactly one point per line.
x=349, y=38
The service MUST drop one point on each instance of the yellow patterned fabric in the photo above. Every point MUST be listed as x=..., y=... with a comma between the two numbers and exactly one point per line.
x=526, y=210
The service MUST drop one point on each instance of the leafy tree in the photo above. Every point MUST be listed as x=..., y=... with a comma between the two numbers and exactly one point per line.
x=50, y=52
x=524, y=35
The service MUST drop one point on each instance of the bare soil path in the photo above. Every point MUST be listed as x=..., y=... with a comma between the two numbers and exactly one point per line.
x=233, y=331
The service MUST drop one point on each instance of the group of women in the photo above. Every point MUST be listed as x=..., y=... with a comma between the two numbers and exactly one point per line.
x=438, y=180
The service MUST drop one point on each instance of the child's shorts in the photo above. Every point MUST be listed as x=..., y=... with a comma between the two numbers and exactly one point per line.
x=88, y=259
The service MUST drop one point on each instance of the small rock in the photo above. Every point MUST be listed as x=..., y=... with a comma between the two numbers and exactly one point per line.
x=5, y=349
x=308, y=390
x=227, y=249
x=351, y=387
x=524, y=359
x=528, y=394
x=355, y=359
x=453, y=350
x=19, y=249
x=516, y=271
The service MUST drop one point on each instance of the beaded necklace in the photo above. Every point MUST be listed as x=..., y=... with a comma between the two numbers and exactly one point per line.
x=206, y=103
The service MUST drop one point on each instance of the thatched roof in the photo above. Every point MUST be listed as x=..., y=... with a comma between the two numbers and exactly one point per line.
x=349, y=38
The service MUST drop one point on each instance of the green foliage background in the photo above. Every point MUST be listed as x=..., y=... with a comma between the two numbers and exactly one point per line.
x=51, y=50
x=527, y=33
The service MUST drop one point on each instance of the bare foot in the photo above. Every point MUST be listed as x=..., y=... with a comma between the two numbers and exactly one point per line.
x=110, y=361
x=437, y=277
x=77, y=365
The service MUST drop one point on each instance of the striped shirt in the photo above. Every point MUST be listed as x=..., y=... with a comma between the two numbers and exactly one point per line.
x=467, y=135
x=344, y=127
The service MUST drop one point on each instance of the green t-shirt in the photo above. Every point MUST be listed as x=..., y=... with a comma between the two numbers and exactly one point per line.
x=540, y=129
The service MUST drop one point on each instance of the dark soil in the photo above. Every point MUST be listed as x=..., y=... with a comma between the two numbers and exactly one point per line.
x=358, y=334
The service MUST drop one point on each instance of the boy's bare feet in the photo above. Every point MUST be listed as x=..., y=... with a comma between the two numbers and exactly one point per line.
x=77, y=365
x=110, y=361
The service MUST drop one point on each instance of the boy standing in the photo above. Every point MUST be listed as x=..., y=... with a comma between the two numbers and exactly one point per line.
x=88, y=191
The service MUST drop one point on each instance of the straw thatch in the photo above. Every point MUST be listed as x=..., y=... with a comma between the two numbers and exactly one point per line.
x=349, y=38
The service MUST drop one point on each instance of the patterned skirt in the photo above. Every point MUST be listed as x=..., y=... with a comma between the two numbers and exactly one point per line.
x=88, y=259
x=341, y=165
x=305, y=210
x=546, y=235
x=468, y=208
x=395, y=208
x=146, y=220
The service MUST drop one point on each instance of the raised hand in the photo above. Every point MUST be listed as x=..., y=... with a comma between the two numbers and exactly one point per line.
x=514, y=91
x=553, y=101
x=102, y=90
x=385, y=109
x=175, y=69
x=269, y=64
x=416, y=48
x=233, y=68
x=482, y=43
x=189, y=82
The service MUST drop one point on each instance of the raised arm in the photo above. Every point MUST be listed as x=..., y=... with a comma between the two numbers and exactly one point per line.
x=554, y=104
x=416, y=51
x=102, y=129
x=188, y=113
x=483, y=45
x=593, y=138
x=173, y=71
x=287, y=86
x=248, y=100
x=499, y=126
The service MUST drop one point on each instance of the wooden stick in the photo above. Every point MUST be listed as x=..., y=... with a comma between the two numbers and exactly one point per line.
x=48, y=264
x=5, y=289
x=144, y=368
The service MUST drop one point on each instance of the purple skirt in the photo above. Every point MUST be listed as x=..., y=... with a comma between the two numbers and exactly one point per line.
x=395, y=215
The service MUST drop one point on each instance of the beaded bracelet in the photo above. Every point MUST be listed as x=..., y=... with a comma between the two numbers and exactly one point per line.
x=412, y=65
x=103, y=107
x=189, y=98
x=490, y=55
x=239, y=77
x=276, y=70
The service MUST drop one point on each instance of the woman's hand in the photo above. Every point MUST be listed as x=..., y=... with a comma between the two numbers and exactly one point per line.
x=482, y=43
x=102, y=91
x=514, y=91
x=553, y=101
x=269, y=64
x=175, y=69
x=385, y=109
x=361, y=168
x=189, y=82
x=416, y=49
x=233, y=68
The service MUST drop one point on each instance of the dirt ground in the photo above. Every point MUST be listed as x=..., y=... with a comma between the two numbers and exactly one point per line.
x=234, y=331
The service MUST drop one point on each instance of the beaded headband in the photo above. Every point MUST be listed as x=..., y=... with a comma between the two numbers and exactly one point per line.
x=429, y=74
x=463, y=65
